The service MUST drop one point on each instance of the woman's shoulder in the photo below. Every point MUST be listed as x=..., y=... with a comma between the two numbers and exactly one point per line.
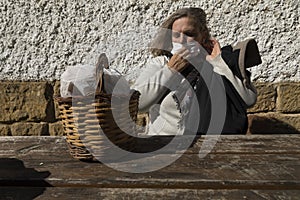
x=156, y=67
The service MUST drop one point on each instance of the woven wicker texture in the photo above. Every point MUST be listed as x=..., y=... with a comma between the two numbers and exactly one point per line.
x=90, y=123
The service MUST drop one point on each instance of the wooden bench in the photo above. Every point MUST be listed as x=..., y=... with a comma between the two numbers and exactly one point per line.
x=238, y=167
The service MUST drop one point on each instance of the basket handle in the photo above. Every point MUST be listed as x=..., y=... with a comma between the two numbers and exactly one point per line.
x=101, y=64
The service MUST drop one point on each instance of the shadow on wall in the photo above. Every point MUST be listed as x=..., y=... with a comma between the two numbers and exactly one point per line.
x=269, y=125
x=19, y=182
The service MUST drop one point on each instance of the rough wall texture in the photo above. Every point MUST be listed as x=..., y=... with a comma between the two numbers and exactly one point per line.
x=40, y=38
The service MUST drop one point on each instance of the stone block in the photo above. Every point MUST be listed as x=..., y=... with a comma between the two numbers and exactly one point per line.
x=141, y=122
x=56, y=88
x=29, y=129
x=4, y=130
x=266, y=99
x=56, y=110
x=26, y=101
x=273, y=123
x=142, y=119
x=56, y=129
x=288, y=99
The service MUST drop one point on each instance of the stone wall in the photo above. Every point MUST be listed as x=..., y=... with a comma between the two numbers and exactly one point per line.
x=277, y=109
x=27, y=108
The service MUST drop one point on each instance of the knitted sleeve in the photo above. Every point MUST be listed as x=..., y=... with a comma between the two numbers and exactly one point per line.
x=154, y=82
x=248, y=95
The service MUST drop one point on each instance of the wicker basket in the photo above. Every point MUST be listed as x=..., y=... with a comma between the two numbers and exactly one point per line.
x=89, y=121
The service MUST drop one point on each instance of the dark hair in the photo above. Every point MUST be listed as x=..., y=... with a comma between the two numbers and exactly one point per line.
x=162, y=44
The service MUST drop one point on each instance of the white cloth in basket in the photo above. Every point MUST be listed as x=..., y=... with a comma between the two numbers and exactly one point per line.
x=82, y=80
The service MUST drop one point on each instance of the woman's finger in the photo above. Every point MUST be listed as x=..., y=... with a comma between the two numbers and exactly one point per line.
x=177, y=62
x=216, y=48
x=185, y=54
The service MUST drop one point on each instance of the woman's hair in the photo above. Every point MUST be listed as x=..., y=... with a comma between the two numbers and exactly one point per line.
x=162, y=44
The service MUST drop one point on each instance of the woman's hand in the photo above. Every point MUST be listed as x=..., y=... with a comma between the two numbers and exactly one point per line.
x=178, y=61
x=216, y=50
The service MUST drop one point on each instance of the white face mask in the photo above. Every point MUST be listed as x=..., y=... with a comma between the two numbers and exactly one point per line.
x=193, y=47
x=176, y=47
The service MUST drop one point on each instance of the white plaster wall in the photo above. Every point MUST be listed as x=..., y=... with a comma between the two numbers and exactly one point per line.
x=40, y=38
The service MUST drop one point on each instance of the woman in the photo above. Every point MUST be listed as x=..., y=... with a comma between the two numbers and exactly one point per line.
x=180, y=86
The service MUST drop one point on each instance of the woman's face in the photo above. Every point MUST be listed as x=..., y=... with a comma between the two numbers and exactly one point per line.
x=184, y=31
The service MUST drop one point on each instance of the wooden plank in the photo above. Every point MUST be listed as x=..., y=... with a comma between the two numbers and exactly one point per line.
x=45, y=160
x=18, y=145
x=216, y=171
x=256, y=144
x=39, y=193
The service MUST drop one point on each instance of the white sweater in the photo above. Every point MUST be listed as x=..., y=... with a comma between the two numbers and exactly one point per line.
x=157, y=84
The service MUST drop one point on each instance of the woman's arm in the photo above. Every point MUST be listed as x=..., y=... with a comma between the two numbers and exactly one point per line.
x=249, y=95
x=155, y=81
